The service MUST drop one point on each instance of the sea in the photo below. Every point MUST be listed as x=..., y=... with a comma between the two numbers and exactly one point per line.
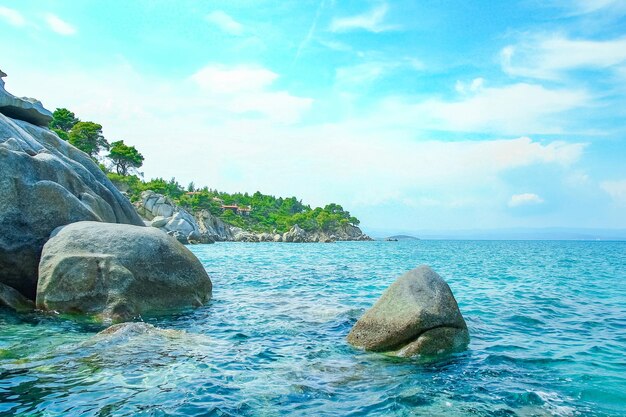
x=547, y=321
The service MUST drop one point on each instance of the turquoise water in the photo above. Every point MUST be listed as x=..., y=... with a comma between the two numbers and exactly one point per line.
x=547, y=320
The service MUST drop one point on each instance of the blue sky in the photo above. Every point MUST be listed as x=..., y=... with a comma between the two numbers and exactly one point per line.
x=414, y=115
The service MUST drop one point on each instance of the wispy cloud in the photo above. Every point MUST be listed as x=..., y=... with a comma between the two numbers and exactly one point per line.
x=222, y=79
x=225, y=22
x=524, y=199
x=591, y=6
x=311, y=31
x=616, y=189
x=59, y=26
x=549, y=57
x=514, y=109
x=372, y=21
x=364, y=73
x=244, y=89
x=12, y=16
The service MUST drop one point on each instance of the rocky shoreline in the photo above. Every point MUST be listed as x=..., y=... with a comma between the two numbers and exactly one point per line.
x=73, y=244
x=202, y=227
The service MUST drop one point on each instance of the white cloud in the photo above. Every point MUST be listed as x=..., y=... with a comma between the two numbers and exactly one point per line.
x=246, y=89
x=12, y=16
x=516, y=109
x=524, y=199
x=222, y=79
x=225, y=22
x=59, y=26
x=616, y=189
x=476, y=85
x=371, y=21
x=549, y=57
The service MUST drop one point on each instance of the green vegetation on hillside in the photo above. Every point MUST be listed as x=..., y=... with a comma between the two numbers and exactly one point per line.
x=257, y=212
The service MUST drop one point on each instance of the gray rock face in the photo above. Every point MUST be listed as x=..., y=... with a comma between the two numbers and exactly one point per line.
x=164, y=214
x=214, y=227
x=23, y=108
x=117, y=272
x=416, y=315
x=295, y=235
x=45, y=183
x=14, y=300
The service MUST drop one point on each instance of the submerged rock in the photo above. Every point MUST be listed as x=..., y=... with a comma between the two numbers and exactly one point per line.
x=45, y=183
x=416, y=315
x=121, y=331
x=142, y=347
x=9, y=297
x=118, y=272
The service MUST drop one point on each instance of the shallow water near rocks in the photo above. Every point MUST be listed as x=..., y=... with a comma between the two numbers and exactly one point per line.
x=547, y=321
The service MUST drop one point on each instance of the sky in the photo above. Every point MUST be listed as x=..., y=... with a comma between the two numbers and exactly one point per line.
x=413, y=115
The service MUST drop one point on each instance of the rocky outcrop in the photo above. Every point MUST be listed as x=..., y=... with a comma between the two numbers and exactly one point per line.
x=203, y=227
x=117, y=272
x=22, y=108
x=9, y=297
x=295, y=235
x=213, y=227
x=416, y=315
x=162, y=213
x=45, y=183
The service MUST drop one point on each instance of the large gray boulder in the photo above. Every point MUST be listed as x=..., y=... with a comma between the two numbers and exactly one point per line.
x=45, y=183
x=416, y=315
x=117, y=272
x=22, y=108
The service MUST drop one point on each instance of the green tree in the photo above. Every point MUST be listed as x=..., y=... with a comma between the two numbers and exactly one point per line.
x=124, y=157
x=63, y=120
x=87, y=136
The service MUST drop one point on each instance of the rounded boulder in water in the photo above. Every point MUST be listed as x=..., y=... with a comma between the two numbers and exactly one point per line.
x=416, y=315
x=117, y=272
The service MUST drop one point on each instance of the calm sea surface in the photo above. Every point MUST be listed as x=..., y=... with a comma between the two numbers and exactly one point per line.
x=547, y=321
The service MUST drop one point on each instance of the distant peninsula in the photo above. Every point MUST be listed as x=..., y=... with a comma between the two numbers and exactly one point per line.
x=199, y=214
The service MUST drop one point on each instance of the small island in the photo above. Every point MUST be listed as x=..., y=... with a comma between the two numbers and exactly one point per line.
x=396, y=238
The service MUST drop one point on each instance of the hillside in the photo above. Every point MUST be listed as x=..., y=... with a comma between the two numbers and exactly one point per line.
x=258, y=213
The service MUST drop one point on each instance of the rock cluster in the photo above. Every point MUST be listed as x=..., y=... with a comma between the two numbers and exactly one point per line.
x=416, y=315
x=118, y=272
x=160, y=212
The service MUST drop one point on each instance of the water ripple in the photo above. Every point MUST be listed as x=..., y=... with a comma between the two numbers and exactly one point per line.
x=547, y=319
